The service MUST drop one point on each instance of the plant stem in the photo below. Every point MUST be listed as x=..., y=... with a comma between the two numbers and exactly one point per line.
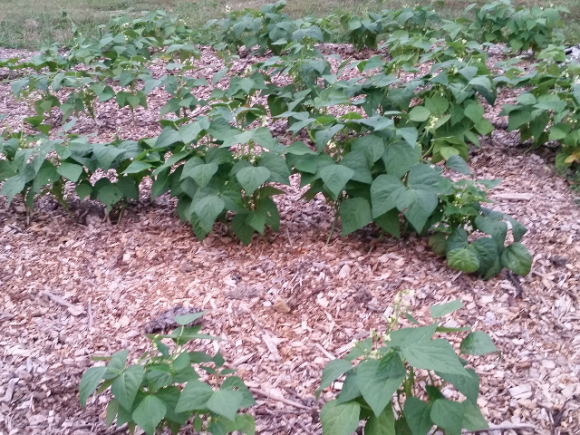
x=333, y=223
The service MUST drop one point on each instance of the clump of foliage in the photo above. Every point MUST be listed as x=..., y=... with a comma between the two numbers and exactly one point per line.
x=163, y=389
x=397, y=383
x=382, y=168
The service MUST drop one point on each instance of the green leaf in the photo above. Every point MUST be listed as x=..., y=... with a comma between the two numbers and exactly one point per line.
x=252, y=177
x=419, y=114
x=168, y=137
x=355, y=213
x=474, y=112
x=389, y=222
x=116, y=364
x=473, y=420
x=517, y=258
x=406, y=337
x=112, y=411
x=437, y=105
x=170, y=397
x=457, y=163
x=225, y=403
x=158, y=377
x=466, y=385
x=399, y=157
x=339, y=419
x=13, y=186
x=463, y=259
x=109, y=194
x=242, y=229
x=333, y=370
x=195, y=395
x=335, y=178
x=448, y=415
x=188, y=318
x=477, y=343
x=126, y=386
x=438, y=243
x=89, y=382
x=350, y=390
x=299, y=148
x=417, y=203
x=238, y=384
x=137, y=166
x=384, y=424
x=70, y=171
x=149, y=413
x=378, y=385
x=487, y=253
x=385, y=192
x=445, y=309
x=202, y=174
x=435, y=355
x=418, y=416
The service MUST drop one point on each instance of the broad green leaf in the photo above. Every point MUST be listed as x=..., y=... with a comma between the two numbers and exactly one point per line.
x=252, y=177
x=202, y=174
x=473, y=419
x=385, y=192
x=418, y=416
x=517, y=258
x=339, y=419
x=116, y=364
x=158, y=376
x=194, y=396
x=149, y=413
x=126, y=386
x=466, y=385
x=137, y=166
x=417, y=203
x=389, y=222
x=474, y=112
x=168, y=137
x=456, y=240
x=448, y=415
x=477, y=343
x=384, y=424
x=355, y=213
x=441, y=310
x=12, y=187
x=70, y=171
x=518, y=229
x=419, y=114
x=89, y=382
x=372, y=145
x=376, y=386
x=435, y=355
x=333, y=370
x=463, y=259
x=170, y=397
x=399, y=157
x=237, y=384
x=487, y=253
x=112, y=411
x=458, y=164
x=407, y=337
x=335, y=178
x=242, y=229
x=437, y=105
x=188, y=318
x=299, y=148
x=109, y=194
x=225, y=403
x=350, y=390
x=438, y=243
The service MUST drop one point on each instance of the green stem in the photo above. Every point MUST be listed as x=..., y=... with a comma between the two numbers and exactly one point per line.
x=336, y=207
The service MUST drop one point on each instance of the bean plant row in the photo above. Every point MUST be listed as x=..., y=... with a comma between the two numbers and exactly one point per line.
x=388, y=147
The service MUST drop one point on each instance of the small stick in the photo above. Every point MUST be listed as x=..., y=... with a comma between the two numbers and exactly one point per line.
x=324, y=351
x=279, y=399
x=90, y=315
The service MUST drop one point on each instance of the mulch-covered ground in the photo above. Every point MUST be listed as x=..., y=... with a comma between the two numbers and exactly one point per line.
x=71, y=290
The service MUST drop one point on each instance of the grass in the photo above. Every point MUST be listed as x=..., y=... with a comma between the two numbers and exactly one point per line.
x=33, y=23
